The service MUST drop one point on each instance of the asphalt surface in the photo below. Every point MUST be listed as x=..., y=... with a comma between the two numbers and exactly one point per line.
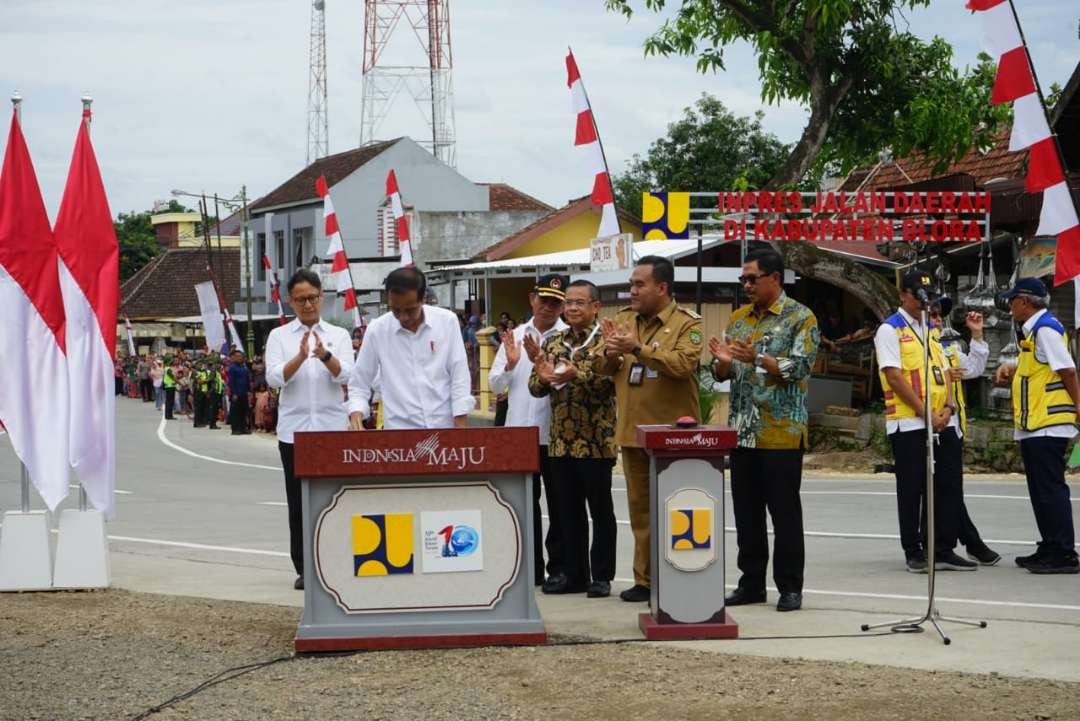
x=202, y=513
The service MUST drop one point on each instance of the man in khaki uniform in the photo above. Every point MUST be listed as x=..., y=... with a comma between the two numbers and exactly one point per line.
x=652, y=350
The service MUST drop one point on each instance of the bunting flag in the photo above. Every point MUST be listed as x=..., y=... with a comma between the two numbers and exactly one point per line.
x=275, y=288
x=34, y=398
x=587, y=135
x=89, y=280
x=269, y=251
x=1015, y=83
x=401, y=223
x=130, y=337
x=339, y=262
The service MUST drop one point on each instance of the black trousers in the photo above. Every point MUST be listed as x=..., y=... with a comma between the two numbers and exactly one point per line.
x=213, y=402
x=238, y=413
x=553, y=540
x=296, y=518
x=766, y=479
x=909, y=456
x=198, y=404
x=1044, y=466
x=170, y=401
x=146, y=389
x=584, y=481
x=969, y=535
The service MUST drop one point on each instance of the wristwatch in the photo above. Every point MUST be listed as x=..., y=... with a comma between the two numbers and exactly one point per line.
x=636, y=351
x=326, y=357
x=759, y=360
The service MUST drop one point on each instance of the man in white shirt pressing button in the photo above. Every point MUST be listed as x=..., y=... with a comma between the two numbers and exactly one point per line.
x=309, y=360
x=418, y=356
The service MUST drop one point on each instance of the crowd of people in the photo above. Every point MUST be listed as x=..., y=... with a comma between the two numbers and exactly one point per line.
x=587, y=382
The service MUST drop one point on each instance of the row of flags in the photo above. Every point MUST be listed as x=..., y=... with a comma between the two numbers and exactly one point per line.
x=1015, y=83
x=59, y=287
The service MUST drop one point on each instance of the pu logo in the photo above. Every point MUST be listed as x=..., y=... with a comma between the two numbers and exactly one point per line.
x=665, y=216
x=382, y=544
x=691, y=528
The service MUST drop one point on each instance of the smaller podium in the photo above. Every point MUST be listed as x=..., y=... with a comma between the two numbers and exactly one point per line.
x=686, y=524
x=417, y=538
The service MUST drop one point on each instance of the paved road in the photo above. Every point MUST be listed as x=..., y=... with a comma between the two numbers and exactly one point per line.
x=227, y=492
x=203, y=513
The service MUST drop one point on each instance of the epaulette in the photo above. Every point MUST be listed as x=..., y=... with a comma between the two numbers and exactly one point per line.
x=692, y=314
x=625, y=309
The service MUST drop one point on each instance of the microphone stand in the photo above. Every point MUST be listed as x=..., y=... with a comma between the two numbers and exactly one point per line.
x=932, y=614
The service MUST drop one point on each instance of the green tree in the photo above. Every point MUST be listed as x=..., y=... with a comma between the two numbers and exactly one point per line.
x=708, y=148
x=138, y=243
x=867, y=82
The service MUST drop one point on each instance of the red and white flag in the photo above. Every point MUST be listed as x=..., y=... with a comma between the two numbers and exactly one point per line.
x=34, y=398
x=89, y=279
x=587, y=135
x=275, y=288
x=339, y=262
x=401, y=223
x=1015, y=83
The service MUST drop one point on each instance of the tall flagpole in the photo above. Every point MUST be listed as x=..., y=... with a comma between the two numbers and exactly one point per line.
x=24, y=474
x=87, y=101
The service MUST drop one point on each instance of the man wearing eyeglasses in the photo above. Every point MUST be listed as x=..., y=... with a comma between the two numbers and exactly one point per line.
x=417, y=354
x=899, y=344
x=309, y=360
x=767, y=353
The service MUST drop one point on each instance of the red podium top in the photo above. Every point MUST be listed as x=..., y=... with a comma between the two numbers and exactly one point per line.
x=422, y=452
x=697, y=442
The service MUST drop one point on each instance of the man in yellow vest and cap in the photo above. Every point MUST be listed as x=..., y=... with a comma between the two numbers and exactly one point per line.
x=899, y=343
x=1046, y=403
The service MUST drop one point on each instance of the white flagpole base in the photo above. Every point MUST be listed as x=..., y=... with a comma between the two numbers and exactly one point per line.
x=82, y=551
x=25, y=558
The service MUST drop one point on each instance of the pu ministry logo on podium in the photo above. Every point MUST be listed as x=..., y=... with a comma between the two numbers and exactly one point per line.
x=382, y=544
x=691, y=516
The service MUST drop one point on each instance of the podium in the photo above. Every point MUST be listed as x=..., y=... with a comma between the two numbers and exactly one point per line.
x=686, y=525
x=417, y=538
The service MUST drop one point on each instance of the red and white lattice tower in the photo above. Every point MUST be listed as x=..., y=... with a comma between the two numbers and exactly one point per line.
x=420, y=66
x=318, y=123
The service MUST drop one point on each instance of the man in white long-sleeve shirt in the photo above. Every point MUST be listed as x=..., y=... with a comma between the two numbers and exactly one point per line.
x=309, y=360
x=510, y=374
x=416, y=353
x=961, y=367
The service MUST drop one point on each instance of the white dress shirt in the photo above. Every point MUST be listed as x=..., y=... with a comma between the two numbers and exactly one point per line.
x=522, y=408
x=1050, y=348
x=424, y=376
x=887, y=346
x=312, y=399
x=972, y=363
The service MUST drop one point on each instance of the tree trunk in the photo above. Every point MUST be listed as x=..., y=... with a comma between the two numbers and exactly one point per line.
x=803, y=257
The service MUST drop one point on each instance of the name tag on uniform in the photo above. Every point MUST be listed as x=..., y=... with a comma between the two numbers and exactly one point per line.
x=938, y=377
x=651, y=373
x=637, y=372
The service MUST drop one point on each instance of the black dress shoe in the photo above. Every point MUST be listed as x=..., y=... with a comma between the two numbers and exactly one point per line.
x=298, y=584
x=741, y=597
x=560, y=583
x=636, y=594
x=789, y=601
x=599, y=589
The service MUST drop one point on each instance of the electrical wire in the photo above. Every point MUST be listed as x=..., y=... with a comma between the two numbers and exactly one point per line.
x=237, y=671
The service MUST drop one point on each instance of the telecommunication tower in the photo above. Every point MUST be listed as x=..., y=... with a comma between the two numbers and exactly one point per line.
x=318, y=127
x=387, y=75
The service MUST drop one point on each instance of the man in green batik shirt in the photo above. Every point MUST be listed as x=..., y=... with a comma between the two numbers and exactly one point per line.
x=767, y=353
x=582, y=444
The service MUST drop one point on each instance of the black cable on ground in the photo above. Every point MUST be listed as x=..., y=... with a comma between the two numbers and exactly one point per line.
x=237, y=671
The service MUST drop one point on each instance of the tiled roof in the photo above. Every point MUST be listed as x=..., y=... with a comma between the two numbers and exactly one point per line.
x=165, y=287
x=542, y=225
x=997, y=163
x=506, y=197
x=336, y=168
x=230, y=226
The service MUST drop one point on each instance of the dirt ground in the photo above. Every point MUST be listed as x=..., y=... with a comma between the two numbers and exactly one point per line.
x=116, y=654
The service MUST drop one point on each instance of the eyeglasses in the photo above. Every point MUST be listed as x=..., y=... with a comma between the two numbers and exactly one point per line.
x=307, y=300
x=750, y=279
x=576, y=303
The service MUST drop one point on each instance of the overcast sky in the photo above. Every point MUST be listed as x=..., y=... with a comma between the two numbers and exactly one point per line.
x=212, y=94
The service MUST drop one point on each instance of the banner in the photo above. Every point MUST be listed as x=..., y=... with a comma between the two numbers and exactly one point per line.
x=210, y=310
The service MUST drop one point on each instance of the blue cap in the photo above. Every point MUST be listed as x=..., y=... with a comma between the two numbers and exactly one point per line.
x=1026, y=286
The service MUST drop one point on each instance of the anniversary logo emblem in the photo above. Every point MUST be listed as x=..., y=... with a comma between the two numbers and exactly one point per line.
x=429, y=451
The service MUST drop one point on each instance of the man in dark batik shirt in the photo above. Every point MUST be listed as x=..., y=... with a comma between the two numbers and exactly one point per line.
x=582, y=445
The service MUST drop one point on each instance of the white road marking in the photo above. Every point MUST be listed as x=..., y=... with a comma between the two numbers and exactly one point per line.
x=904, y=597
x=892, y=494
x=117, y=491
x=271, y=503
x=193, y=454
x=198, y=546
